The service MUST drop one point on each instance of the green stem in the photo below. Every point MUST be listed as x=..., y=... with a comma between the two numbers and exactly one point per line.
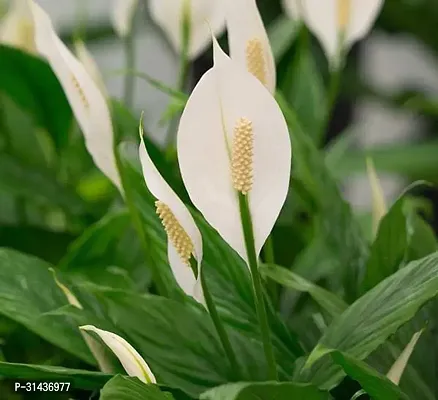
x=269, y=258
x=222, y=333
x=139, y=227
x=248, y=234
x=129, y=84
x=332, y=96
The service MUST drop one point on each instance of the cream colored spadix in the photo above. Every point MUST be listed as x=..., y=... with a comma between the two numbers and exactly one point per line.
x=169, y=15
x=132, y=362
x=184, y=238
x=339, y=23
x=248, y=40
x=17, y=27
x=122, y=16
x=86, y=100
x=230, y=107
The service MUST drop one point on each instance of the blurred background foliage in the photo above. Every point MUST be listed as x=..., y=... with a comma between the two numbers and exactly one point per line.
x=53, y=201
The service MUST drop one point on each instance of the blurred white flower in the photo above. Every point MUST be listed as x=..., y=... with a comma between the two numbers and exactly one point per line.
x=397, y=369
x=170, y=16
x=339, y=23
x=87, y=60
x=17, y=27
x=132, y=362
x=184, y=238
x=122, y=16
x=248, y=40
x=293, y=8
x=233, y=139
x=86, y=100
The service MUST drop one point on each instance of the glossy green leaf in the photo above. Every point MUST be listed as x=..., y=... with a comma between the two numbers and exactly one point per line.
x=79, y=379
x=265, y=391
x=108, y=253
x=336, y=229
x=304, y=89
x=327, y=300
x=389, y=248
x=39, y=186
x=374, y=317
x=124, y=388
x=373, y=382
x=28, y=292
x=30, y=82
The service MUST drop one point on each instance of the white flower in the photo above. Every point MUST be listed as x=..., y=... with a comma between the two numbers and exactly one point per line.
x=233, y=138
x=122, y=16
x=397, y=369
x=132, y=362
x=248, y=40
x=87, y=102
x=184, y=238
x=17, y=27
x=87, y=60
x=339, y=23
x=169, y=15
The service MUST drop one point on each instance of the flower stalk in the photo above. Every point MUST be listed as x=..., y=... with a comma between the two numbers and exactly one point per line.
x=217, y=322
x=248, y=234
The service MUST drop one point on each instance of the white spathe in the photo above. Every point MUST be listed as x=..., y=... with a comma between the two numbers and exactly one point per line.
x=245, y=25
x=17, y=27
x=86, y=100
x=132, y=361
x=399, y=366
x=122, y=16
x=322, y=18
x=160, y=189
x=90, y=65
x=169, y=15
x=224, y=95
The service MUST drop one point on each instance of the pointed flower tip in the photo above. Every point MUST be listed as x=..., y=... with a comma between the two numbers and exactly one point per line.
x=140, y=126
x=72, y=299
x=132, y=361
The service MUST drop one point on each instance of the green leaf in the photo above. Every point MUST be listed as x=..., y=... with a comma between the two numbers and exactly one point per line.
x=78, y=378
x=282, y=33
x=417, y=160
x=373, y=382
x=304, y=89
x=326, y=299
x=30, y=82
x=422, y=239
x=366, y=324
x=389, y=248
x=124, y=388
x=27, y=293
x=39, y=186
x=108, y=253
x=337, y=230
x=265, y=391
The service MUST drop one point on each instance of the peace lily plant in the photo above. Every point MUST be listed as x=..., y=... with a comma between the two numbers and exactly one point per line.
x=206, y=324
